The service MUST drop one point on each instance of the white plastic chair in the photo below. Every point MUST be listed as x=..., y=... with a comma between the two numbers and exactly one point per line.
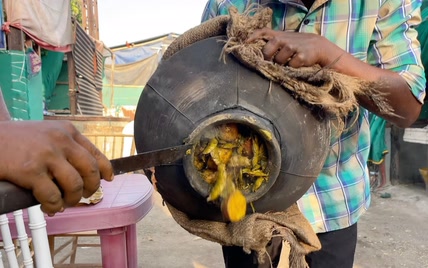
x=22, y=254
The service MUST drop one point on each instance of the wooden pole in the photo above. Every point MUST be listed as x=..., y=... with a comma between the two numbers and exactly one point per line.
x=72, y=92
x=112, y=80
x=90, y=18
x=96, y=25
x=15, y=39
x=85, y=14
x=91, y=21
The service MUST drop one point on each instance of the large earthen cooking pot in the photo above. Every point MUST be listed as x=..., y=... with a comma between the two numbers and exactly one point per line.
x=193, y=90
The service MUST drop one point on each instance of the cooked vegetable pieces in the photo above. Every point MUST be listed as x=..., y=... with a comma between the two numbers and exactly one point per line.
x=233, y=160
x=234, y=207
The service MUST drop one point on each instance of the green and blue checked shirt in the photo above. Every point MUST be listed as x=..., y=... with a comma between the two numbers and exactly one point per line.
x=379, y=32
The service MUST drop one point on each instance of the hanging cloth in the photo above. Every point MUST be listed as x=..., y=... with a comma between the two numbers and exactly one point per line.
x=47, y=22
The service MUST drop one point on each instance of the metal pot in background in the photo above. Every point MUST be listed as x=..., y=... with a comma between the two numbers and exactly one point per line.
x=193, y=90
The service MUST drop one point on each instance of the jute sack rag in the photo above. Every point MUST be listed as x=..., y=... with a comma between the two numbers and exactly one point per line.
x=256, y=230
x=335, y=93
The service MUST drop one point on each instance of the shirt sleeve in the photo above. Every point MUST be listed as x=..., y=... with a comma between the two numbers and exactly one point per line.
x=216, y=8
x=210, y=11
x=395, y=45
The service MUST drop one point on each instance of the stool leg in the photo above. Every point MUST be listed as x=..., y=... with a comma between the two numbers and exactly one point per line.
x=131, y=245
x=51, y=239
x=113, y=247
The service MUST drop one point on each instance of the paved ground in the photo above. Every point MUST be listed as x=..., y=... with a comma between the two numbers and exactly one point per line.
x=393, y=233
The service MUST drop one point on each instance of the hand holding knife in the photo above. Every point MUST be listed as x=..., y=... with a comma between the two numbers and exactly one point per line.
x=13, y=197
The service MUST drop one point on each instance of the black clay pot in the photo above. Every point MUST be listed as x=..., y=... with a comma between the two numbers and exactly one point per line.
x=193, y=90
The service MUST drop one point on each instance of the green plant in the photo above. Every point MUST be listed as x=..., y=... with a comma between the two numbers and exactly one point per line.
x=76, y=10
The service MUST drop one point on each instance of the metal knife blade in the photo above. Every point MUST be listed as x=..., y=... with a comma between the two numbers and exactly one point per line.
x=149, y=159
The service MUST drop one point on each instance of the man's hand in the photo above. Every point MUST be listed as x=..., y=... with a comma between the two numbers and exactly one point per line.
x=296, y=49
x=53, y=159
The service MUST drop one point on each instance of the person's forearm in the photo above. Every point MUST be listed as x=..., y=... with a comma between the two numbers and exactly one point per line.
x=4, y=112
x=399, y=96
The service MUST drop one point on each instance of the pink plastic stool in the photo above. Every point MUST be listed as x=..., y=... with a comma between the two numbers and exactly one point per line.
x=127, y=199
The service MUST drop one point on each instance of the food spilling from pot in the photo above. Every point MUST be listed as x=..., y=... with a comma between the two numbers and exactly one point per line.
x=232, y=158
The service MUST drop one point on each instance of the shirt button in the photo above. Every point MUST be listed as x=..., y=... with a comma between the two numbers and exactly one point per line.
x=306, y=21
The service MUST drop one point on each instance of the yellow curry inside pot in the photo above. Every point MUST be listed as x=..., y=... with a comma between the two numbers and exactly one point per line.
x=232, y=159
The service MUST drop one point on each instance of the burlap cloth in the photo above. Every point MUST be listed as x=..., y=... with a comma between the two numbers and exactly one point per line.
x=335, y=93
x=254, y=232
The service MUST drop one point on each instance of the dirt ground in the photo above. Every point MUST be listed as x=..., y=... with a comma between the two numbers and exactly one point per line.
x=393, y=233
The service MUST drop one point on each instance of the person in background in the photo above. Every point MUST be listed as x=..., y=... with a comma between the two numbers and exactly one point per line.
x=50, y=158
x=378, y=151
x=372, y=40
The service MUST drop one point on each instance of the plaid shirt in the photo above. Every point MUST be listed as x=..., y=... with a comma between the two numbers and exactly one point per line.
x=379, y=32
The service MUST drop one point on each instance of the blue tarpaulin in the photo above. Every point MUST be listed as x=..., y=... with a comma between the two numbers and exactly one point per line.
x=132, y=55
x=135, y=54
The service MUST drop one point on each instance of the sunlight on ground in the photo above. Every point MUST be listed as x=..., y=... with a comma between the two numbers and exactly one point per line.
x=198, y=265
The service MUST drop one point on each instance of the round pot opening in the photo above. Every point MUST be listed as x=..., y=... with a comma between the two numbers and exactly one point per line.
x=239, y=145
